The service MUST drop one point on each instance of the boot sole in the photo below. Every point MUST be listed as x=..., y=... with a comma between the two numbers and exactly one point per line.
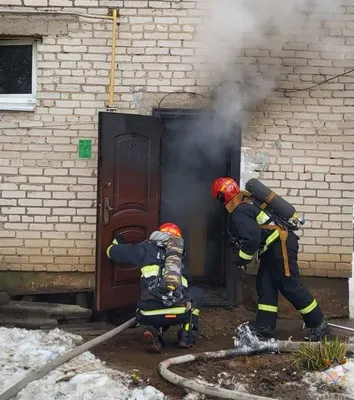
x=150, y=344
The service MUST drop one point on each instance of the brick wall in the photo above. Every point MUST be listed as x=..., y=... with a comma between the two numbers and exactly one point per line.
x=300, y=142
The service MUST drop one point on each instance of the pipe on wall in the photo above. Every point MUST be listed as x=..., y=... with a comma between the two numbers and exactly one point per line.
x=113, y=61
x=54, y=12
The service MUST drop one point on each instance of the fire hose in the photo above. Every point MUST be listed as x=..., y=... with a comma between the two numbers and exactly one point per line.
x=247, y=344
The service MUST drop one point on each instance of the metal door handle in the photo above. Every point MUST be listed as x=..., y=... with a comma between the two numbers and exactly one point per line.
x=107, y=210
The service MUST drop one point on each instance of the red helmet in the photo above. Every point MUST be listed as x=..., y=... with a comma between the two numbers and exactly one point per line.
x=224, y=189
x=171, y=228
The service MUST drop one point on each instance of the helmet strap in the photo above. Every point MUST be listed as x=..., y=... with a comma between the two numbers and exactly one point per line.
x=220, y=197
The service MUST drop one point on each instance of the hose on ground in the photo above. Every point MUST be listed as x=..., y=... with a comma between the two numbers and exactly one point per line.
x=39, y=373
x=186, y=383
x=172, y=377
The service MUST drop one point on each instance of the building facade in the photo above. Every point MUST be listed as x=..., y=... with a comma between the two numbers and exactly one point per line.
x=300, y=143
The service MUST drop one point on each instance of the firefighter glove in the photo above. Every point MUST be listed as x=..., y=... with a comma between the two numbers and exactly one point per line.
x=158, y=236
x=118, y=239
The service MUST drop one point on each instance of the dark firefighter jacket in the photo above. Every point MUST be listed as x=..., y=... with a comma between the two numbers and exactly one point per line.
x=143, y=255
x=246, y=220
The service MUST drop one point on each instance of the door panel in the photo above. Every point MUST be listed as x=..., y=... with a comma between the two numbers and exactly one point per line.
x=128, y=199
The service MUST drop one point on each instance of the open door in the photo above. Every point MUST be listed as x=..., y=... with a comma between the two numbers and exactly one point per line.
x=128, y=199
x=187, y=172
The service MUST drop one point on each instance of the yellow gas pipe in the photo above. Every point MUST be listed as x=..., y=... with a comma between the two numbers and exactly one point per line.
x=113, y=60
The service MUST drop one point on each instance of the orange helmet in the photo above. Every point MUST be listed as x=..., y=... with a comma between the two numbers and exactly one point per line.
x=224, y=189
x=171, y=228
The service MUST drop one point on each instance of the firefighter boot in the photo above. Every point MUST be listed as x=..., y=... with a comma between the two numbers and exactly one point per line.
x=152, y=339
x=185, y=336
x=264, y=332
x=319, y=332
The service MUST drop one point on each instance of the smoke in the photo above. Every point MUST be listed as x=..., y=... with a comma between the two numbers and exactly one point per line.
x=241, y=45
x=235, y=32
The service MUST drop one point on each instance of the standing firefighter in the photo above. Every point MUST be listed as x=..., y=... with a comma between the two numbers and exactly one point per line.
x=263, y=225
x=166, y=299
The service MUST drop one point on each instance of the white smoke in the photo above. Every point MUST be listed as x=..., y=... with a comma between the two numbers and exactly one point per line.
x=242, y=44
x=235, y=32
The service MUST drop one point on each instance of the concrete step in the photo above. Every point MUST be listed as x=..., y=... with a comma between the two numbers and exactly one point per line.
x=45, y=310
x=4, y=297
x=28, y=323
x=40, y=315
x=87, y=329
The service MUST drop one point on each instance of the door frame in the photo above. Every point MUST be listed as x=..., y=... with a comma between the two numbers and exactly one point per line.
x=234, y=281
x=232, y=276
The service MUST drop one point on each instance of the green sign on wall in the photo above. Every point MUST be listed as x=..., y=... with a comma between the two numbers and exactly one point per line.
x=85, y=148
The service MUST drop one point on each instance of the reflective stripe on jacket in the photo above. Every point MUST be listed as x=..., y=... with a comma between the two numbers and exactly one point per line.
x=246, y=222
x=152, y=271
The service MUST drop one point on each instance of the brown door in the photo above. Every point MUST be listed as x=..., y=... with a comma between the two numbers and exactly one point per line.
x=128, y=199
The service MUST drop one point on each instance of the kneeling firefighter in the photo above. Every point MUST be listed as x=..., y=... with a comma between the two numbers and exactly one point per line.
x=263, y=224
x=166, y=299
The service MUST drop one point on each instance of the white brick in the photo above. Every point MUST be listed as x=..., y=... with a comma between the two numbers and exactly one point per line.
x=306, y=137
x=165, y=20
x=61, y=3
x=34, y=3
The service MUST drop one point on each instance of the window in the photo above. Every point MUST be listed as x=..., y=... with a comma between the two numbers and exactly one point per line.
x=18, y=75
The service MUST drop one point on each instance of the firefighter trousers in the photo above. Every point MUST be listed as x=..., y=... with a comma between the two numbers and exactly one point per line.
x=153, y=312
x=271, y=280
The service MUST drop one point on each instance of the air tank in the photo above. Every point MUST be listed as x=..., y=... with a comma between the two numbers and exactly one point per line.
x=275, y=203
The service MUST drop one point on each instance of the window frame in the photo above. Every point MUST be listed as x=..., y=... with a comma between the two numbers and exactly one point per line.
x=21, y=102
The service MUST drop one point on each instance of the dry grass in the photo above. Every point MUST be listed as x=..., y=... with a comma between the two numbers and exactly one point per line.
x=311, y=358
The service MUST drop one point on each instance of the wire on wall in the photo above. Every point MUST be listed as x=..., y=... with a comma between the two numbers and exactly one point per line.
x=292, y=90
x=285, y=91
x=316, y=85
x=181, y=92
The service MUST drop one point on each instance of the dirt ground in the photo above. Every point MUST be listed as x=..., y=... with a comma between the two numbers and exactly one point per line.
x=275, y=376
x=263, y=375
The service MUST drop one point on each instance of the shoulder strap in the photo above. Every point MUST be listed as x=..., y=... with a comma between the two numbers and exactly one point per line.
x=242, y=197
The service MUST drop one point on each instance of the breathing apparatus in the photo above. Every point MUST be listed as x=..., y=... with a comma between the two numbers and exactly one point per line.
x=157, y=288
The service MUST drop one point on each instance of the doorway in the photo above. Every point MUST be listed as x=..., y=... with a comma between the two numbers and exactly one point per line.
x=155, y=169
x=194, y=152
x=187, y=171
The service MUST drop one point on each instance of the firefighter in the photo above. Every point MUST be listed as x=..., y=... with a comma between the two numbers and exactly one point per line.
x=152, y=312
x=246, y=219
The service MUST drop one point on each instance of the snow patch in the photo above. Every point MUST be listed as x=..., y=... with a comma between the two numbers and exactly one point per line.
x=231, y=382
x=343, y=376
x=85, y=377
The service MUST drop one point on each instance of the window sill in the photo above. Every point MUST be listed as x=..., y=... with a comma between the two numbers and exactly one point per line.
x=15, y=106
